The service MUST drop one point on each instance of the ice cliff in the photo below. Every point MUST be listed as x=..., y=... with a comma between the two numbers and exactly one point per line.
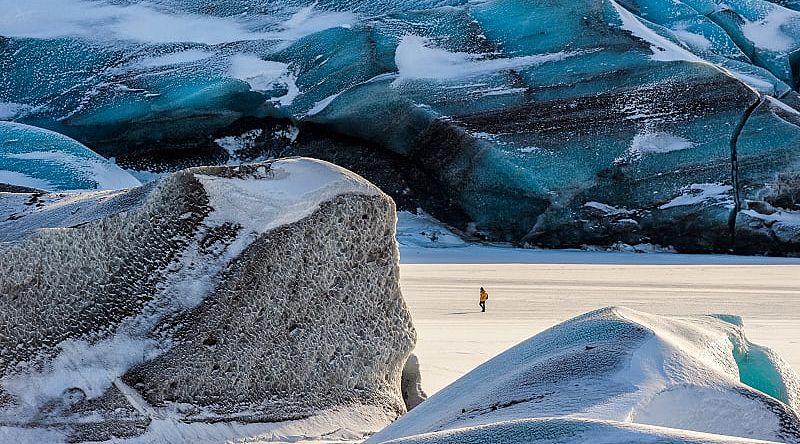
x=216, y=303
x=557, y=123
x=617, y=375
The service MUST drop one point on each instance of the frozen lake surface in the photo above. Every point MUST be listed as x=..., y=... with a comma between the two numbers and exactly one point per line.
x=455, y=337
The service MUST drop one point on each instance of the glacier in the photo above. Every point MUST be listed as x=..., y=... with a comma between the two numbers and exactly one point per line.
x=216, y=303
x=44, y=160
x=501, y=118
x=617, y=375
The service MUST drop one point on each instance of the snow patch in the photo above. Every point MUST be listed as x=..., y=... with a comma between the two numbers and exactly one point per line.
x=322, y=104
x=416, y=58
x=608, y=209
x=91, y=368
x=698, y=41
x=23, y=180
x=424, y=231
x=502, y=91
x=11, y=110
x=232, y=144
x=788, y=217
x=145, y=22
x=768, y=33
x=106, y=175
x=658, y=143
x=762, y=86
x=308, y=20
x=176, y=58
x=266, y=76
x=699, y=193
x=296, y=188
x=650, y=142
x=664, y=50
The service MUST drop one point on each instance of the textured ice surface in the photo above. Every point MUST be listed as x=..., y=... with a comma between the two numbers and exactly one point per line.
x=242, y=296
x=617, y=375
x=506, y=117
x=48, y=161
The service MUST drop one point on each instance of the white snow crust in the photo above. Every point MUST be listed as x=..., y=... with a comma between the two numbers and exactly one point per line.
x=296, y=188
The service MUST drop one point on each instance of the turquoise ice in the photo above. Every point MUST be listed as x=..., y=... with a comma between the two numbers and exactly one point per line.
x=44, y=160
x=526, y=116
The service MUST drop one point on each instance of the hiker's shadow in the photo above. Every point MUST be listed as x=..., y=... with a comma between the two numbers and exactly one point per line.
x=460, y=313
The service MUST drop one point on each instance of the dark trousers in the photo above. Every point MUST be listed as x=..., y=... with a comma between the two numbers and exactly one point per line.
x=483, y=305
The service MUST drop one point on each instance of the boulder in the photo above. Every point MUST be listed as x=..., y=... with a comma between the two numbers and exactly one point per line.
x=215, y=303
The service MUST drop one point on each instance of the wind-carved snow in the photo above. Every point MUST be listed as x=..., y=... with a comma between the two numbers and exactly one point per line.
x=417, y=58
x=700, y=193
x=265, y=75
x=612, y=375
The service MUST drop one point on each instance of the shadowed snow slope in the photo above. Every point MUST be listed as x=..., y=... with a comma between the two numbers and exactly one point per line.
x=617, y=375
x=215, y=303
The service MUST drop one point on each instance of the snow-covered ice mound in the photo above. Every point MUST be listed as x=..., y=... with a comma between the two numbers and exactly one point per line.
x=40, y=159
x=617, y=375
x=215, y=303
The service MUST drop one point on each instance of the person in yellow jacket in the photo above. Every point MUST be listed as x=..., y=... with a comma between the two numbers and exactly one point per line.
x=484, y=297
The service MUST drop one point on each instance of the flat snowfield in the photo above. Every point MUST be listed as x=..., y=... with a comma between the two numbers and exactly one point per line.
x=524, y=299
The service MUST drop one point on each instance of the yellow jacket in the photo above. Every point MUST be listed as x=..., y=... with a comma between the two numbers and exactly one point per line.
x=484, y=295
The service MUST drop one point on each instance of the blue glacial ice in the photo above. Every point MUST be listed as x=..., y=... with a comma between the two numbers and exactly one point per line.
x=682, y=112
x=44, y=160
